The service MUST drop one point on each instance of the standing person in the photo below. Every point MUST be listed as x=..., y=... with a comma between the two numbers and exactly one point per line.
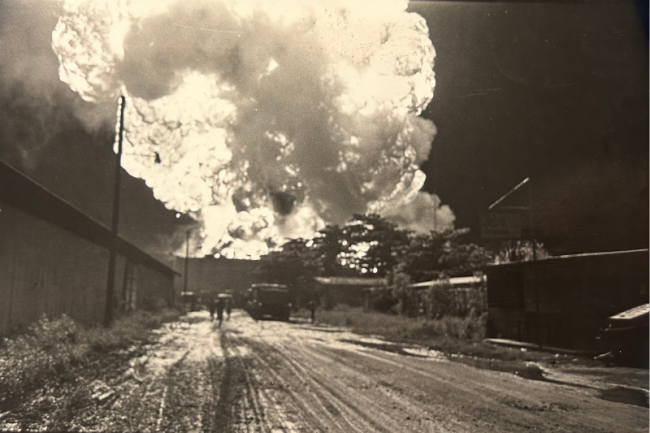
x=219, y=307
x=211, y=307
x=312, y=308
x=228, y=307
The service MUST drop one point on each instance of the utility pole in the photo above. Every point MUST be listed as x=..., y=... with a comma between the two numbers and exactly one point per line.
x=435, y=186
x=530, y=218
x=532, y=268
x=529, y=209
x=187, y=259
x=110, y=284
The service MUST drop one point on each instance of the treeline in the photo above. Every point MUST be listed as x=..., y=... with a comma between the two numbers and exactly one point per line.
x=371, y=246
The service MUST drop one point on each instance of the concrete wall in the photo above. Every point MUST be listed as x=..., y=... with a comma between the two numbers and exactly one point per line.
x=45, y=269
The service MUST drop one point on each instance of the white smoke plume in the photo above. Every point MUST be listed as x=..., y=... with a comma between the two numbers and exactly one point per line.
x=423, y=214
x=265, y=119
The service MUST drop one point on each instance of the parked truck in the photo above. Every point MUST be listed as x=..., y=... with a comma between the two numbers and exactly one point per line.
x=625, y=338
x=269, y=300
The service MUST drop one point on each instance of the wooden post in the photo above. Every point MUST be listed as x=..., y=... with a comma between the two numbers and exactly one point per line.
x=535, y=285
x=110, y=284
x=187, y=259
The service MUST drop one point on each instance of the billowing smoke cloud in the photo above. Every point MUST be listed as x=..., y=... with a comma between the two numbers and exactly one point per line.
x=265, y=119
x=423, y=214
x=34, y=105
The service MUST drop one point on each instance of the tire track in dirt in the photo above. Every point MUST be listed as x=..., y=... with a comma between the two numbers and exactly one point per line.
x=513, y=405
x=490, y=399
x=481, y=400
x=369, y=393
x=251, y=392
x=189, y=399
x=273, y=397
x=277, y=412
x=322, y=408
x=355, y=383
x=328, y=404
x=169, y=386
x=228, y=381
x=414, y=402
x=343, y=406
x=322, y=411
x=332, y=395
x=275, y=377
x=350, y=387
x=327, y=415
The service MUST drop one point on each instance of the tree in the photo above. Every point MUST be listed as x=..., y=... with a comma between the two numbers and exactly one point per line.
x=293, y=260
x=434, y=255
x=328, y=246
x=371, y=244
x=464, y=259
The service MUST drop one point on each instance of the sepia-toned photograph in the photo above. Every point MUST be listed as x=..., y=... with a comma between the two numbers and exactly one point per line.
x=347, y=216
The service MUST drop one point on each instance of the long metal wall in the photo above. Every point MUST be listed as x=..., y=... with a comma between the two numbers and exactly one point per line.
x=54, y=260
x=45, y=269
x=563, y=301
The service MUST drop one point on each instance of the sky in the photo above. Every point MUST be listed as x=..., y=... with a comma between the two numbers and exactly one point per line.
x=555, y=91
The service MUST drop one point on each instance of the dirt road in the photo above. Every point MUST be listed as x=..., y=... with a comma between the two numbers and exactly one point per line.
x=299, y=378
x=291, y=377
x=278, y=376
x=266, y=376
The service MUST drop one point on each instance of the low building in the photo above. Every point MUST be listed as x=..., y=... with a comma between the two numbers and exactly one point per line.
x=462, y=296
x=345, y=290
x=563, y=301
x=54, y=260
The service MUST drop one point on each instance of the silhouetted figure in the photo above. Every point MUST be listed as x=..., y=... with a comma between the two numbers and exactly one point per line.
x=211, y=307
x=312, y=308
x=228, y=308
x=219, y=307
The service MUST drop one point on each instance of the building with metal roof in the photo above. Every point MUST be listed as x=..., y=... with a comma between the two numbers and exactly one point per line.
x=346, y=290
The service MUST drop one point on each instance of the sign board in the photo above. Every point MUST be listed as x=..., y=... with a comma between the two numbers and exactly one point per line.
x=495, y=225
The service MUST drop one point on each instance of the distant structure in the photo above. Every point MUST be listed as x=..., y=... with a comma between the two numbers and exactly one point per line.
x=563, y=301
x=208, y=276
x=464, y=295
x=456, y=283
x=54, y=260
x=346, y=291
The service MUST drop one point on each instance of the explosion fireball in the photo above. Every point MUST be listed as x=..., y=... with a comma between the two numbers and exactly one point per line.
x=264, y=119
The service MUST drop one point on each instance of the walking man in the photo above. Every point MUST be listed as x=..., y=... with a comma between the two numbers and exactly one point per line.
x=211, y=308
x=228, y=308
x=219, y=307
x=312, y=308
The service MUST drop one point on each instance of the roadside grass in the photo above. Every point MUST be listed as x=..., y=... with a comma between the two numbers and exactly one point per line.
x=451, y=335
x=51, y=349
